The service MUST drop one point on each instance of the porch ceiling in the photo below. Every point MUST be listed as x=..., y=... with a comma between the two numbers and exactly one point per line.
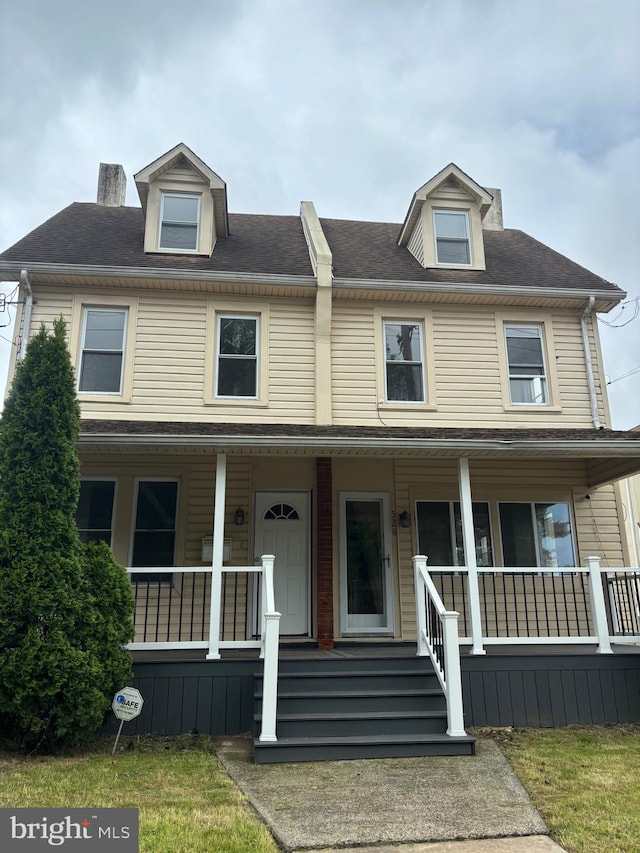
x=608, y=455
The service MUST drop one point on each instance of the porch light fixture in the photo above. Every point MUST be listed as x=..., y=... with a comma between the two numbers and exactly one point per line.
x=404, y=520
x=239, y=517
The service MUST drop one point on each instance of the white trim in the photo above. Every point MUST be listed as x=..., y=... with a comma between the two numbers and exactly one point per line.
x=230, y=315
x=544, y=378
x=103, y=479
x=420, y=324
x=161, y=221
x=106, y=309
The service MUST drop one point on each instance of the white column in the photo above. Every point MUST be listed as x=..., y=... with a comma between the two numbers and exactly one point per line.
x=469, y=541
x=216, y=562
x=598, y=608
x=453, y=679
x=270, y=677
x=420, y=565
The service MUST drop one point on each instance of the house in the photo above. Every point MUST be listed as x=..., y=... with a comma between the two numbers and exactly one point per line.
x=362, y=473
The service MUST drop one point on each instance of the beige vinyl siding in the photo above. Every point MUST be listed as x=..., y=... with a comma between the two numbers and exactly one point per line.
x=169, y=376
x=416, y=242
x=469, y=386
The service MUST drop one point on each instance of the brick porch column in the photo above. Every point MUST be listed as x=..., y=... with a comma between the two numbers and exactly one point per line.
x=324, y=560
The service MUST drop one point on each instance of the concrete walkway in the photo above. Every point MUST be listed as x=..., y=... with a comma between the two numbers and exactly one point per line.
x=424, y=805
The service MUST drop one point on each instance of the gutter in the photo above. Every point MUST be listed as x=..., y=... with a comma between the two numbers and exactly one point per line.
x=25, y=285
x=587, y=356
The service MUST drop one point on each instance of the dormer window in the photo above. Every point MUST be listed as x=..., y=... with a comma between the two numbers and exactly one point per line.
x=179, y=221
x=451, y=230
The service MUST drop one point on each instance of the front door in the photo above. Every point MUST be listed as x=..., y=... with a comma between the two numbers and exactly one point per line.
x=282, y=529
x=365, y=557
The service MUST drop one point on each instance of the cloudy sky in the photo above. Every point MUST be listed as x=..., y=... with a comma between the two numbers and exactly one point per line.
x=352, y=104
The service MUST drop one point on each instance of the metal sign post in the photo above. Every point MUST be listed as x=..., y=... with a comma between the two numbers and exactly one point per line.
x=126, y=705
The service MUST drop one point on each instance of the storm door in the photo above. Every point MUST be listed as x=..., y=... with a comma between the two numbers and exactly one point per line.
x=366, y=578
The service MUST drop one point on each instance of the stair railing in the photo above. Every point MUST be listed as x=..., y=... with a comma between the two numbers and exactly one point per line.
x=269, y=652
x=437, y=630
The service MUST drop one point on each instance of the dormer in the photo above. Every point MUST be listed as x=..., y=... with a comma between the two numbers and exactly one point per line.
x=184, y=204
x=443, y=226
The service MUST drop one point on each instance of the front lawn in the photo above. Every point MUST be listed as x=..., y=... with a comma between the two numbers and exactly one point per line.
x=584, y=781
x=187, y=802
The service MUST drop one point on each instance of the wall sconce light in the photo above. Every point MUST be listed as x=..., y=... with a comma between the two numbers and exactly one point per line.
x=239, y=517
x=404, y=520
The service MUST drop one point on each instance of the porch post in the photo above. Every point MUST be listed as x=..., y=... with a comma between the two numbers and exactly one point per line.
x=598, y=608
x=324, y=552
x=469, y=541
x=216, y=562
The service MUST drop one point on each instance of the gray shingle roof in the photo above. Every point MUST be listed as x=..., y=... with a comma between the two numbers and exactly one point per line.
x=92, y=234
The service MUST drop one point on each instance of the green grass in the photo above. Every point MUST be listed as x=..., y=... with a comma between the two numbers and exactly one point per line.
x=187, y=802
x=584, y=781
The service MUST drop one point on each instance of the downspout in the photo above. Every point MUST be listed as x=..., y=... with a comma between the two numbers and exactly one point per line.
x=25, y=285
x=587, y=356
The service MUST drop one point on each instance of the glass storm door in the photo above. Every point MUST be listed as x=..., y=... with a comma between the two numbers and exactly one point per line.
x=366, y=583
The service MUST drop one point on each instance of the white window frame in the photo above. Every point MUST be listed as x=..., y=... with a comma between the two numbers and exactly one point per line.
x=452, y=212
x=537, y=545
x=405, y=322
x=114, y=480
x=161, y=221
x=228, y=315
x=542, y=378
x=87, y=309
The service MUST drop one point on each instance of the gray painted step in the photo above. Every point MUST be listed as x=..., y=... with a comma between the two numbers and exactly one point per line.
x=357, y=724
x=335, y=749
x=336, y=680
x=345, y=701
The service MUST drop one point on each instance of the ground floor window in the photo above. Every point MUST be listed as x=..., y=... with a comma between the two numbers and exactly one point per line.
x=440, y=533
x=154, y=535
x=94, y=516
x=536, y=534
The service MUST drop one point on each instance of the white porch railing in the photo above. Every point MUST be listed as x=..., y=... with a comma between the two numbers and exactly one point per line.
x=437, y=630
x=537, y=606
x=194, y=607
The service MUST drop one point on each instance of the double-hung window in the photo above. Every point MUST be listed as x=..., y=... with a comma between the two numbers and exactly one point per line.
x=102, y=356
x=94, y=515
x=526, y=364
x=154, y=535
x=237, y=356
x=536, y=534
x=451, y=229
x=440, y=533
x=179, y=221
x=404, y=361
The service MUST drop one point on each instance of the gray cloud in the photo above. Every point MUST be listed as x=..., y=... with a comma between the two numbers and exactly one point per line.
x=350, y=104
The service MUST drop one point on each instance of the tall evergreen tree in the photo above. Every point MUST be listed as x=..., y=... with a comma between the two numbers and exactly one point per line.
x=60, y=647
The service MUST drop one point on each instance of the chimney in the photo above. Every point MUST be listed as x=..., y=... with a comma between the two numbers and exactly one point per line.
x=112, y=185
x=493, y=217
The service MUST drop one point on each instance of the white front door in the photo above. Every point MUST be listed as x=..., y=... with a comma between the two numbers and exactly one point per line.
x=282, y=529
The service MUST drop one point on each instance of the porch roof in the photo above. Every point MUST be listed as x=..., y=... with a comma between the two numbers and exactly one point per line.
x=608, y=455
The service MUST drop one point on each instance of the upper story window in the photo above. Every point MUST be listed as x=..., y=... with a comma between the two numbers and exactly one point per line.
x=102, y=350
x=404, y=360
x=525, y=358
x=179, y=221
x=451, y=229
x=237, y=356
x=94, y=515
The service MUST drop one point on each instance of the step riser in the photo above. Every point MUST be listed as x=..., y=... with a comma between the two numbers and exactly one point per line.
x=414, y=663
x=332, y=683
x=276, y=755
x=351, y=705
x=354, y=728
